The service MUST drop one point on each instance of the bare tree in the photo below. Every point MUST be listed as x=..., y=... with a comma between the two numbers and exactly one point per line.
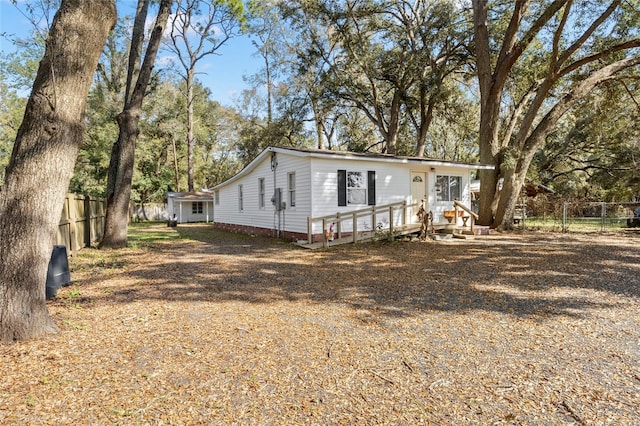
x=199, y=29
x=42, y=163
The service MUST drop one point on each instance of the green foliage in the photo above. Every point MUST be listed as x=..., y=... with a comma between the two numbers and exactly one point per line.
x=216, y=134
x=340, y=68
x=162, y=129
x=92, y=165
x=11, y=112
x=105, y=102
x=594, y=152
x=17, y=72
x=390, y=60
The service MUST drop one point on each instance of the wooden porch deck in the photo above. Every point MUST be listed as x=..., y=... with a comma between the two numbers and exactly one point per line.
x=406, y=227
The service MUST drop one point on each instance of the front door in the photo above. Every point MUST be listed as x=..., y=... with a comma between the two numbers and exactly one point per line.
x=418, y=193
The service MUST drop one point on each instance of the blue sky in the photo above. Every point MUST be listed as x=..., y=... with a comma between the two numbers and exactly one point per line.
x=222, y=73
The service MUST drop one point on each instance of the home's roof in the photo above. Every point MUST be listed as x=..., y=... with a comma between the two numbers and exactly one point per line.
x=355, y=156
x=191, y=196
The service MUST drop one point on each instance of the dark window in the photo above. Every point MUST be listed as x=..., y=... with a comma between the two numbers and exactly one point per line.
x=292, y=189
x=342, y=187
x=371, y=188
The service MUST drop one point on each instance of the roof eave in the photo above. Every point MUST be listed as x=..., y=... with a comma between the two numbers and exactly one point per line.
x=349, y=156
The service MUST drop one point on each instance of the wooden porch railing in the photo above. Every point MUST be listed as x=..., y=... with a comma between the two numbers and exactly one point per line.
x=473, y=217
x=374, y=212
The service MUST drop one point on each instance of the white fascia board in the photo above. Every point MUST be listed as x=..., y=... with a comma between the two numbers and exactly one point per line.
x=248, y=168
x=329, y=155
x=400, y=160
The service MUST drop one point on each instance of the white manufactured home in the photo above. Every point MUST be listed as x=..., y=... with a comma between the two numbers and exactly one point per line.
x=284, y=190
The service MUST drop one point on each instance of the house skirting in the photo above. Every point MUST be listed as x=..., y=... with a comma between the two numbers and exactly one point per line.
x=263, y=232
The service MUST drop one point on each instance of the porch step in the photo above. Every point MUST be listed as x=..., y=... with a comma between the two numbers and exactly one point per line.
x=464, y=236
x=481, y=230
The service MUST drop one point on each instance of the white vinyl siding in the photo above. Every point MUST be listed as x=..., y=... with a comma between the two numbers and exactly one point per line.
x=295, y=219
x=316, y=190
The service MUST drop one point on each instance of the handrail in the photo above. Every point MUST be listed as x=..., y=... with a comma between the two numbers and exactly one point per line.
x=457, y=203
x=365, y=210
x=353, y=216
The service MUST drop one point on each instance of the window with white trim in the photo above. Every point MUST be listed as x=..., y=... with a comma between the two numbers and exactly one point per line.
x=197, y=207
x=291, y=182
x=261, y=191
x=448, y=188
x=356, y=188
x=216, y=196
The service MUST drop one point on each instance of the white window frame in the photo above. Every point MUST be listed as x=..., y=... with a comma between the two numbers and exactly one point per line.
x=291, y=189
x=197, y=207
x=444, y=191
x=216, y=197
x=261, y=192
x=357, y=188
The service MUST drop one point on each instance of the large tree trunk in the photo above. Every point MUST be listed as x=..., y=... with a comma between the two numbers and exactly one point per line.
x=123, y=151
x=490, y=93
x=492, y=79
x=176, y=171
x=42, y=163
x=511, y=187
x=531, y=141
x=427, y=104
x=393, y=129
x=564, y=63
x=119, y=180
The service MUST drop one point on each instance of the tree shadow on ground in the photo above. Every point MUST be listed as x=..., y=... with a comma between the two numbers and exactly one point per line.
x=536, y=276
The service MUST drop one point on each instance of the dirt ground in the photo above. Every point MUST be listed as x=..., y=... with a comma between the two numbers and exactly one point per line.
x=195, y=326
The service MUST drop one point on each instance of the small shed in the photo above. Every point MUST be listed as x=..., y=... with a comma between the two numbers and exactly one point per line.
x=185, y=207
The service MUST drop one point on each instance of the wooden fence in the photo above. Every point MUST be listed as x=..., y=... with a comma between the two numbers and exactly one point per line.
x=82, y=222
x=150, y=211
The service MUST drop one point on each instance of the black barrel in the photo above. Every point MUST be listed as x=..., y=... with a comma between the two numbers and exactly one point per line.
x=58, y=273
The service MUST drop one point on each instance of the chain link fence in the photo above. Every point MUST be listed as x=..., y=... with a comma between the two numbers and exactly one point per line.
x=577, y=216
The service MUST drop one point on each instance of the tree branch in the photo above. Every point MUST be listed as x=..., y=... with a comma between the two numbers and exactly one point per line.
x=556, y=37
x=594, y=26
x=579, y=91
x=597, y=56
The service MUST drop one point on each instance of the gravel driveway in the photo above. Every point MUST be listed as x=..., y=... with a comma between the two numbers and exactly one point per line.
x=196, y=326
